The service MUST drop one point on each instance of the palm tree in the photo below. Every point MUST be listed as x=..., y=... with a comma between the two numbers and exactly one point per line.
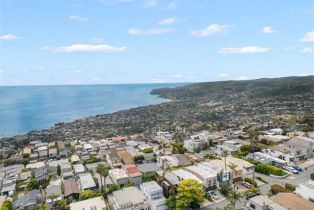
x=233, y=166
x=233, y=197
x=103, y=172
x=225, y=153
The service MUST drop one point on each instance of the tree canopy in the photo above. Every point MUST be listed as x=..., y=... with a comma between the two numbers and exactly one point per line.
x=190, y=194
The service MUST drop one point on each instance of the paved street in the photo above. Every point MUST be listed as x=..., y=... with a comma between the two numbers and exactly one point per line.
x=294, y=179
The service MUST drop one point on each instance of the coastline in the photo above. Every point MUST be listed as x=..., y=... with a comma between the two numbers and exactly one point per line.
x=92, y=116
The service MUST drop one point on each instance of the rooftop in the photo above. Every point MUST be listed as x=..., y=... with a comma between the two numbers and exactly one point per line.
x=129, y=196
x=118, y=173
x=97, y=203
x=87, y=180
x=292, y=201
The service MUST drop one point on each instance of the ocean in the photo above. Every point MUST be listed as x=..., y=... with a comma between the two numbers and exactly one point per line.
x=26, y=108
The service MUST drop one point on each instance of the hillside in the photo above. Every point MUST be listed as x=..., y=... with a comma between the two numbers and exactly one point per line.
x=262, y=103
x=286, y=86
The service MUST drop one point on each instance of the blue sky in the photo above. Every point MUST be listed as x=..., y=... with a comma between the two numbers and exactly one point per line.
x=150, y=41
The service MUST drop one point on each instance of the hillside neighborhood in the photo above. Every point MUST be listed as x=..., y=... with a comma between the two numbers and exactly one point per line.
x=269, y=169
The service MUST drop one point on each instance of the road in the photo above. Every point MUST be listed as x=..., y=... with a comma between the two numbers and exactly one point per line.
x=294, y=179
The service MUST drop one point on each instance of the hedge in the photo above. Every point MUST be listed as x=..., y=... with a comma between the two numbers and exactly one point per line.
x=312, y=176
x=290, y=187
x=276, y=188
x=266, y=169
x=251, y=181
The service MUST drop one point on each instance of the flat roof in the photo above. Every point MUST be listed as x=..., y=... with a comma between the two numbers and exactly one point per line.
x=87, y=180
x=292, y=201
x=186, y=175
x=98, y=203
x=118, y=173
x=129, y=195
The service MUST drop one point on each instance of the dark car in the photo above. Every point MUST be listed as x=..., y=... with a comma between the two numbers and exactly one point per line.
x=298, y=168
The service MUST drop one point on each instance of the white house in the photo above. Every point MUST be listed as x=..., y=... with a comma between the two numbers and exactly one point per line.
x=155, y=195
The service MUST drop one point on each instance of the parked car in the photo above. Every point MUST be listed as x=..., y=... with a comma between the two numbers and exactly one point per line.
x=293, y=170
x=246, y=184
x=298, y=168
x=213, y=195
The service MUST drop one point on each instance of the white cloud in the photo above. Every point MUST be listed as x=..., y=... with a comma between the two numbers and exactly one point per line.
x=304, y=75
x=308, y=50
x=243, y=50
x=224, y=75
x=135, y=31
x=211, y=30
x=9, y=37
x=309, y=37
x=169, y=21
x=172, y=5
x=267, y=30
x=78, y=18
x=150, y=3
x=242, y=78
x=102, y=48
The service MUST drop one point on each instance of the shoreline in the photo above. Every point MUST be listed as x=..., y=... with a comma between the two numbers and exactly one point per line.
x=56, y=124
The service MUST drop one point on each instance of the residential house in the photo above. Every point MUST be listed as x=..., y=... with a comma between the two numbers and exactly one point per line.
x=118, y=176
x=30, y=200
x=261, y=202
x=169, y=183
x=195, y=143
x=182, y=159
x=113, y=159
x=134, y=173
x=78, y=168
x=168, y=160
x=53, y=153
x=148, y=167
x=87, y=182
x=125, y=156
x=292, y=201
x=207, y=175
x=96, y=203
x=129, y=198
x=155, y=195
x=71, y=190
x=306, y=190
x=53, y=193
x=93, y=166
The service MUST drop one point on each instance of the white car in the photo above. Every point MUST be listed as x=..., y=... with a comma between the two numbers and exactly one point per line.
x=212, y=194
x=246, y=184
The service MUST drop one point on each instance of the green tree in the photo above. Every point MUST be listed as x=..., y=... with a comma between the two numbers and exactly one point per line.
x=113, y=188
x=233, y=166
x=32, y=184
x=103, y=172
x=87, y=194
x=190, y=194
x=233, y=197
x=312, y=176
x=59, y=170
x=6, y=205
x=171, y=202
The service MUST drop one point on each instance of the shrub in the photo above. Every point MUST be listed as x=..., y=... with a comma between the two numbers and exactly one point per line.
x=268, y=169
x=290, y=187
x=261, y=179
x=6, y=205
x=147, y=150
x=251, y=181
x=312, y=176
x=276, y=188
x=138, y=159
x=149, y=176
